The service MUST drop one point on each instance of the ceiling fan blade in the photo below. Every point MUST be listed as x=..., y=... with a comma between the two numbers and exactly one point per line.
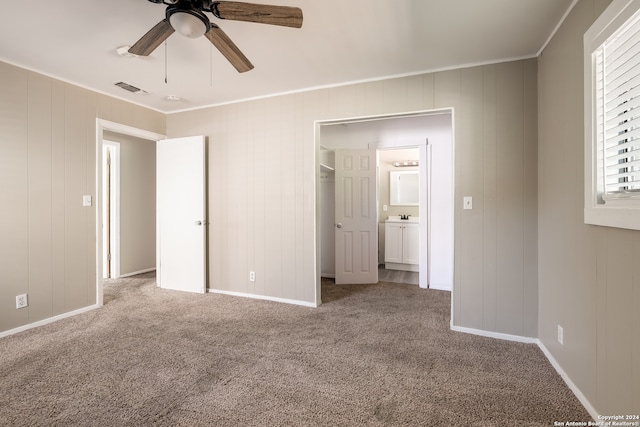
x=154, y=37
x=230, y=51
x=261, y=13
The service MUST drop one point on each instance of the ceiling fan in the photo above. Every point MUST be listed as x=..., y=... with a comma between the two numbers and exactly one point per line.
x=187, y=17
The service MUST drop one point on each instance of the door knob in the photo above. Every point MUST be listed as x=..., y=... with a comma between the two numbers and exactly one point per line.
x=339, y=225
x=198, y=222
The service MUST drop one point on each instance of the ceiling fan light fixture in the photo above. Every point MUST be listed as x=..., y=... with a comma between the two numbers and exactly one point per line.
x=188, y=22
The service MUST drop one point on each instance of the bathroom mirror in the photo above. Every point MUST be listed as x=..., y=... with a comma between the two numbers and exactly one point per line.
x=405, y=186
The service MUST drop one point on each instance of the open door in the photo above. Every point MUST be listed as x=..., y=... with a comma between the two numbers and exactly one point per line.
x=356, y=227
x=110, y=209
x=181, y=214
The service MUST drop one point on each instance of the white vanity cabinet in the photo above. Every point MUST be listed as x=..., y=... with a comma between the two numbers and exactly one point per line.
x=401, y=247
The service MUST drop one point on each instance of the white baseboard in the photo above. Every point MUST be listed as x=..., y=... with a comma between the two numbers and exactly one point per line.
x=47, y=321
x=516, y=338
x=135, y=273
x=263, y=297
x=497, y=335
x=576, y=391
x=396, y=266
x=439, y=287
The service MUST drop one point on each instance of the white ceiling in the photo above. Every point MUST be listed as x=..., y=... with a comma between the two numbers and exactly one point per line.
x=340, y=41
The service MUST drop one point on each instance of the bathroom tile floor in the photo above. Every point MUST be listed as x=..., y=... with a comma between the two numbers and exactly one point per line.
x=397, y=276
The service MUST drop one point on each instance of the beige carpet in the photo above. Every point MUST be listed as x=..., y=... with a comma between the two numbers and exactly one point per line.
x=371, y=355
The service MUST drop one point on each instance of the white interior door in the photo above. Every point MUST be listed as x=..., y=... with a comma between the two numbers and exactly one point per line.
x=110, y=209
x=181, y=214
x=356, y=228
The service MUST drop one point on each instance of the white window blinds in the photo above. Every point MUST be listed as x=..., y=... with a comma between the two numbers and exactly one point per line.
x=617, y=74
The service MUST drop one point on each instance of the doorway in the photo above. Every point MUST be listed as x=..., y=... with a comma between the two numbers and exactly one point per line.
x=403, y=131
x=391, y=202
x=399, y=185
x=110, y=128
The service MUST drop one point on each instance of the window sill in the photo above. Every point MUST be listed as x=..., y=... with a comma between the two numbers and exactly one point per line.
x=619, y=214
x=630, y=200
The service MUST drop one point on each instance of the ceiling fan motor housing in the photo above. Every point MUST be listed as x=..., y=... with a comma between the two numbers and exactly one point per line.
x=188, y=20
x=204, y=4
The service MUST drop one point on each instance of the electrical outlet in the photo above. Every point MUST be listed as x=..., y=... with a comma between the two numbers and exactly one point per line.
x=21, y=301
x=560, y=335
x=252, y=276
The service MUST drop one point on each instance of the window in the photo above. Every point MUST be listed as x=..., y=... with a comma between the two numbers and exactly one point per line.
x=612, y=117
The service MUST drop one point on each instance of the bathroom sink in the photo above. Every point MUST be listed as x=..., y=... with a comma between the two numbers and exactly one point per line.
x=397, y=218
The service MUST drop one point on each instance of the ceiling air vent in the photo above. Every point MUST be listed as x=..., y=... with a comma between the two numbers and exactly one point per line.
x=130, y=88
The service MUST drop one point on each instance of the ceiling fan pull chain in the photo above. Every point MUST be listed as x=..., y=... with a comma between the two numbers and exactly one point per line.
x=166, y=52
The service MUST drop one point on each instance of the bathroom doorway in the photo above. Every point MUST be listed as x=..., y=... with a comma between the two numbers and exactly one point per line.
x=399, y=185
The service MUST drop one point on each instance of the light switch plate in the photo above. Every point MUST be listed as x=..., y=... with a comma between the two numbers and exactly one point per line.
x=467, y=203
x=86, y=200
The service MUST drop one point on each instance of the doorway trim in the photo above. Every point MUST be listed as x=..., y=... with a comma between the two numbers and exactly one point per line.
x=102, y=126
x=113, y=208
x=317, y=138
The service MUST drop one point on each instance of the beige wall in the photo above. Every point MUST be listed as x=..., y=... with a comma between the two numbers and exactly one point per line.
x=580, y=288
x=262, y=173
x=47, y=163
x=137, y=203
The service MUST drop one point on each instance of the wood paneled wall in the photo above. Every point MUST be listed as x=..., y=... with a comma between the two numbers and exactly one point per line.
x=47, y=163
x=262, y=186
x=583, y=284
